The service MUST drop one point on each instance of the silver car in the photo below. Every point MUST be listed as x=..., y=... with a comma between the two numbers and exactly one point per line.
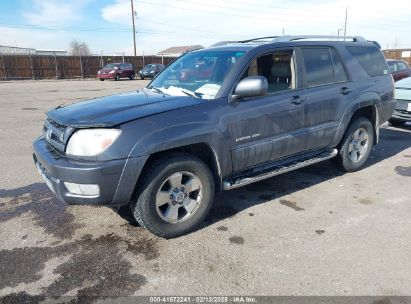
x=402, y=112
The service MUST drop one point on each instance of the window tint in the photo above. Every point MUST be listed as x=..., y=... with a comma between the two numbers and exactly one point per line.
x=370, y=58
x=340, y=74
x=318, y=66
x=277, y=68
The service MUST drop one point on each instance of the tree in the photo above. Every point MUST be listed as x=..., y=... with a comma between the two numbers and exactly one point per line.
x=79, y=48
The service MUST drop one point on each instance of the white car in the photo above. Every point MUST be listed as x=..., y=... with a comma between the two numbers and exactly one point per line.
x=402, y=112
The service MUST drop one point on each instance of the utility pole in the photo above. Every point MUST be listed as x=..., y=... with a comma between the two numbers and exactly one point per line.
x=345, y=24
x=134, y=27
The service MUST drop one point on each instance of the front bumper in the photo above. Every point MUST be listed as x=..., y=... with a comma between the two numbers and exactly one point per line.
x=106, y=76
x=115, y=178
x=402, y=110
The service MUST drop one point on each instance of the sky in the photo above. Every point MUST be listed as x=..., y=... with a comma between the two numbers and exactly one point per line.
x=106, y=24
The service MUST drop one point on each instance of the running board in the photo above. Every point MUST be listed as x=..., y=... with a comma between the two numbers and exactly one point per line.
x=232, y=184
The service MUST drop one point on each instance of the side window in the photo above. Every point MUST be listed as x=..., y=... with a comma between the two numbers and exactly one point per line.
x=393, y=66
x=370, y=58
x=340, y=75
x=402, y=66
x=277, y=68
x=318, y=66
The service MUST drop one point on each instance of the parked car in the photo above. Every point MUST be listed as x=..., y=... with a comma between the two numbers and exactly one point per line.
x=399, y=69
x=151, y=70
x=402, y=112
x=116, y=71
x=268, y=107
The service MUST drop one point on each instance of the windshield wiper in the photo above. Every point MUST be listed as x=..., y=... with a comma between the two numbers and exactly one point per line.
x=193, y=94
x=158, y=90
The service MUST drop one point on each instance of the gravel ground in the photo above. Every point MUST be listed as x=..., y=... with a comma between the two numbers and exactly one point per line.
x=314, y=231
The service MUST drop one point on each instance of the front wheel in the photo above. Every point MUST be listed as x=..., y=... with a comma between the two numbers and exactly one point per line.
x=174, y=196
x=131, y=76
x=356, y=145
x=117, y=78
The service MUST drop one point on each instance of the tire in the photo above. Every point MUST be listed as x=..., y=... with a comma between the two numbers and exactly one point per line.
x=142, y=77
x=158, y=185
x=101, y=79
x=356, y=145
x=132, y=76
x=396, y=122
x=117, y=78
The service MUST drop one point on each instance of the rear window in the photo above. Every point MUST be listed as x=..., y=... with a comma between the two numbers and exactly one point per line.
x=323, y=66
x=370, y=58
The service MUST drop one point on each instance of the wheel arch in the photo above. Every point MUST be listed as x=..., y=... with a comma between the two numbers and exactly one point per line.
x=366, y=108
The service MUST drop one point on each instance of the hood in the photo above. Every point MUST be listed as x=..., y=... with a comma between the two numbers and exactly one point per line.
x=116, y=109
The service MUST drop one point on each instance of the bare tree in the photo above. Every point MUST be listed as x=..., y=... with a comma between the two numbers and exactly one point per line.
x=79, y=48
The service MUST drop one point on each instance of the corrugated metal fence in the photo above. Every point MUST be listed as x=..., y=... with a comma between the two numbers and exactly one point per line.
x=62, y=67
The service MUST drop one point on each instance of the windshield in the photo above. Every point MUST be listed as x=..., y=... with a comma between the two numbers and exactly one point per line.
x=198, y=74
x=150, y=67
x=110, y=66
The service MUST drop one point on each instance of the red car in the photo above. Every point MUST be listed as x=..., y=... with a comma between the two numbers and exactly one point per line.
x=399, y=69
x=116, y=71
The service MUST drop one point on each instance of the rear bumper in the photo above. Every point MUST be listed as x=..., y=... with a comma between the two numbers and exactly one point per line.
x=385, y=110
x=116, y=178
x=402, y=110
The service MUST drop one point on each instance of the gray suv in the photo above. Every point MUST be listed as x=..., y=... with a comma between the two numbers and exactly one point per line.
x=250, y=110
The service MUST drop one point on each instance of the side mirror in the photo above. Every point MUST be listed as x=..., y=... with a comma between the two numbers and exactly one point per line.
x=252, y=86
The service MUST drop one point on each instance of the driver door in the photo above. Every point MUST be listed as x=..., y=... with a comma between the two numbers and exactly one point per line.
x=271, y=127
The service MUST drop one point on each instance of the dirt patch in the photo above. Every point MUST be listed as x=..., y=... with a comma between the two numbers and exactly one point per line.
x=97, y=265
x=251, y=214
x=30, y=109
x=365, y=201
x=403, y=171
x=48, y=212
x=319, y=231
x=238, y=240
x=222, y=228
x=292, y=205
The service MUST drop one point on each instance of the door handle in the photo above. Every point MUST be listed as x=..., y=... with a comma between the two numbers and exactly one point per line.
x=297, y=100
x=345, y=90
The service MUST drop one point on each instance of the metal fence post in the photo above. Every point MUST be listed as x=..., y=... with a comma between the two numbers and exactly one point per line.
x=55, y=64
x=81, y=68
x=4, y=67
x=32, y=68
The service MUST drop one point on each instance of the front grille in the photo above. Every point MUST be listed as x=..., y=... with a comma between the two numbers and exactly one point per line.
x=56, y=134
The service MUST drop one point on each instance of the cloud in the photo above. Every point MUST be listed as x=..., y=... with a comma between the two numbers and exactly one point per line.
x=55, y=12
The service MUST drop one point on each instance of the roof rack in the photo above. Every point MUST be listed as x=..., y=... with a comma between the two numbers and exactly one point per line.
x=318, y=37
x=288, y=38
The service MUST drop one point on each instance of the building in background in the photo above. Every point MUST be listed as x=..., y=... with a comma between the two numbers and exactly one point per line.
x=14, y=50
x=177, y=51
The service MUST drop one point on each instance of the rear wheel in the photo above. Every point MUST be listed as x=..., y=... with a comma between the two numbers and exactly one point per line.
x=101, y=79
x=131, y=76
x=174, y=196
x=396, y=122
x=356, y=145
x=142, y=77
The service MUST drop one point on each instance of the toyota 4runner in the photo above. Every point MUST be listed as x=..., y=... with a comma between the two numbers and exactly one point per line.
x=250, y=110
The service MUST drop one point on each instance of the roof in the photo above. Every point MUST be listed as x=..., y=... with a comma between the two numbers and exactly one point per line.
x=180, y=49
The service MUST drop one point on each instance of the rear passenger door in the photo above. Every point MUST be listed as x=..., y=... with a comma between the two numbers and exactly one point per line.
x=327, y=89
x=269, y=127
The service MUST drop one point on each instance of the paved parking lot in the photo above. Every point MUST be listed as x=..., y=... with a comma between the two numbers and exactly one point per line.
x=314, y=231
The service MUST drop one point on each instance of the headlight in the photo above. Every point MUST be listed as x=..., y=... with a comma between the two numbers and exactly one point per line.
x=98, y=72
x=111, y=72
x=91, y=142
x=151, y=72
